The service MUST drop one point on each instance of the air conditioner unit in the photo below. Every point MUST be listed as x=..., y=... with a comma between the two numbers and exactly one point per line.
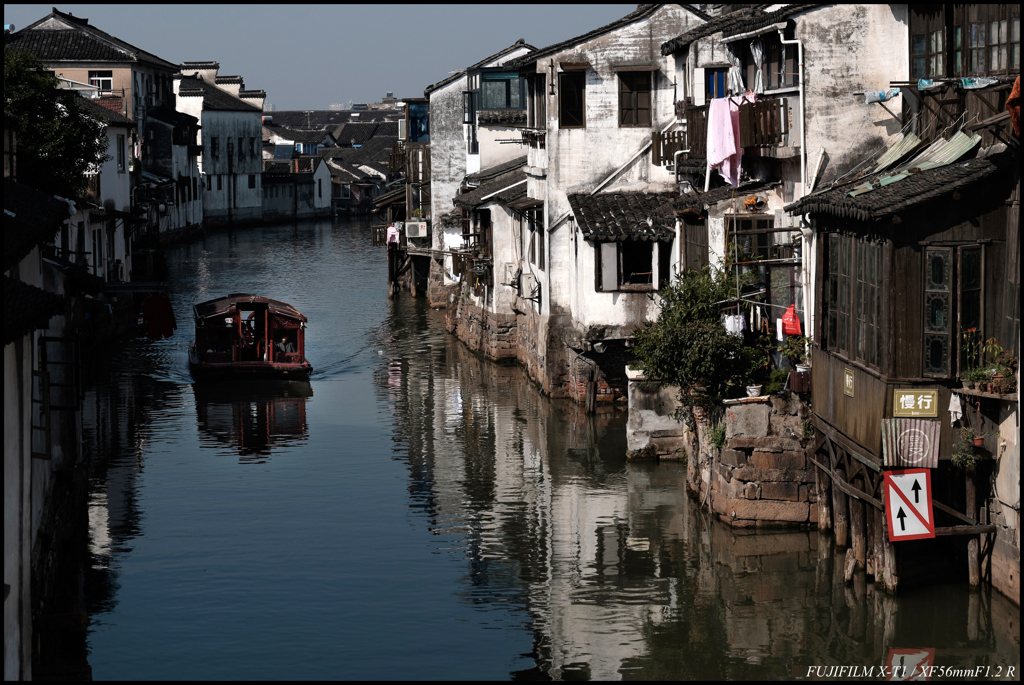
x=416, y=229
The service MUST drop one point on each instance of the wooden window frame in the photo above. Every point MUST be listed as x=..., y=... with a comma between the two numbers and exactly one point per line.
x=632, y=112
x=566, y=86
x=713, y=79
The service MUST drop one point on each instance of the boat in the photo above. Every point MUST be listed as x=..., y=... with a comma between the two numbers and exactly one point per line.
x=247, y=336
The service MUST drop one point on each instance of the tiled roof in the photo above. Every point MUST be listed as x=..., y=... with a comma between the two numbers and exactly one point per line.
x=107, y=116
x=214, y=99
x=373, y=152
x=357, y=132
x=462, y=72
x=305, y=164
x=327, y=118
x=171, y=116
x=301, y=136
x=27, y=308
x=726, y=192
x=908, y=192
x=641, y=12
x=504, y=188
x=77, y=41
x=31, y=218
x=502, y=117
x=624, y=216
x=497, y=170
x=734, y=23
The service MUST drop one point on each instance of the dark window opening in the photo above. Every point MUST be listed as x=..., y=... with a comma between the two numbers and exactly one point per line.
x=252, y=180
x=572, y=99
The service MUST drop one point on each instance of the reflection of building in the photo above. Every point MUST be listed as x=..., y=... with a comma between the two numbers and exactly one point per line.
x=255, y=419
x=619, y=573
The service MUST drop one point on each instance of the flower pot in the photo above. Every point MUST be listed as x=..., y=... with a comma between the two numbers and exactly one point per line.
x=979, y=440
x=969, y=385
x=753, y=390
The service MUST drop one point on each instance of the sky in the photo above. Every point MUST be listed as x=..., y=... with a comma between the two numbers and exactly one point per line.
x=310, y=56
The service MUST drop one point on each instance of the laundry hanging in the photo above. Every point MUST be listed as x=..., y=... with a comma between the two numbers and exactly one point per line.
x=723, y=144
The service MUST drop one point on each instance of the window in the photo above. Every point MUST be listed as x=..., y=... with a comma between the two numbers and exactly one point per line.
x=537, y=111
x=854, y=300
x=104, y=80
x=994, y=45
x=319, y=185
x=535, y=232
x=501, y=91
x=215, y=147
x=469, y=118
x=120, y=152
x=635, y=98
x=928, y=51
x=630, y=265
x=252, y=180
x=778, y=65
x=220, y=185
x=572, y=99
x=715, y=82
x=695, y=244
x=195, y=188
x=938, y=310
x=252, y=147
x=241, y=151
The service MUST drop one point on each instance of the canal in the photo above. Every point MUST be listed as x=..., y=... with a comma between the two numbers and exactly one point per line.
x=416, y=512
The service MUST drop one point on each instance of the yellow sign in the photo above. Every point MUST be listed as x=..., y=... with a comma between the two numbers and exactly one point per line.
x=848, y=382
x=915, y=402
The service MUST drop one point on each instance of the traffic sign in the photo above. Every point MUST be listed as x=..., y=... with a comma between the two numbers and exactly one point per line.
x=910, y=664
x=908, y=504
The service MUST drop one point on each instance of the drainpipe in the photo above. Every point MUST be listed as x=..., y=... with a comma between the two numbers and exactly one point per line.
x=805, y=226
x=679, y=229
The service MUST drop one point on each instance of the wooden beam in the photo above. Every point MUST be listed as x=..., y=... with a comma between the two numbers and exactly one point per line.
x=964, y=530
x=845, y=487
x=847, y=444
x=953, y=512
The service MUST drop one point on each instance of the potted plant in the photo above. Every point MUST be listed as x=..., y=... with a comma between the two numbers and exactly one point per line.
x=794, y=348
x=973, y=378
x=963, y=450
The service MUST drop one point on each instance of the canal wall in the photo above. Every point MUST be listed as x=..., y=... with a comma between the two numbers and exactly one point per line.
x=760, y=476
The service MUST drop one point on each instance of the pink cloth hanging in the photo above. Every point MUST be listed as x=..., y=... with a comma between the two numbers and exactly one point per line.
x=724, y=151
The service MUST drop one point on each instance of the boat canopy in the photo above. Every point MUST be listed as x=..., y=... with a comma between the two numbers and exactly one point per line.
x=229, y=303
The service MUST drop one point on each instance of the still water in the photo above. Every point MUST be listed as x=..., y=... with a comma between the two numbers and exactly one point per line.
x=416, y=512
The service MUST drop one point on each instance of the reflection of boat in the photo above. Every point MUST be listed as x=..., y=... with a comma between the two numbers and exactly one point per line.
x=254, y=417
x=247, y=336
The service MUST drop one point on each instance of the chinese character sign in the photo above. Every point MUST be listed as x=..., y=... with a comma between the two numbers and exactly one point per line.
x=915, y=403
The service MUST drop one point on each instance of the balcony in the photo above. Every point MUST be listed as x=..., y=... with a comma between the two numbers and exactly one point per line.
x=763, y=124
x=948, y=106
x=396, y=160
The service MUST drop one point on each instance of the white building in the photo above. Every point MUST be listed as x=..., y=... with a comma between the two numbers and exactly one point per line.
x=230, y=119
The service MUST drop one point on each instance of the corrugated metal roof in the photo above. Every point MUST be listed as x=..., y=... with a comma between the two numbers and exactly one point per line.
x=934, y=156
x=900, y=149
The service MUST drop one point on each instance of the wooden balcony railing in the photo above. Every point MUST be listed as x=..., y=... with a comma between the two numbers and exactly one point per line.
x=693, y=137
x=763, y=123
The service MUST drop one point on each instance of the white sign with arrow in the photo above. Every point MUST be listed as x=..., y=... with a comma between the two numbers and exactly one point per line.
x=908, y=504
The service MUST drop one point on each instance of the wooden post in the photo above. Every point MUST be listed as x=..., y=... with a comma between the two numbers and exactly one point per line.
x=840, y=511
x=888, y=576
x=973, y=563
x=869, y=533
x=857, y=529
x=823, y=481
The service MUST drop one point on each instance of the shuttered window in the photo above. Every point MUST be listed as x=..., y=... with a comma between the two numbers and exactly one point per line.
x=635, y=98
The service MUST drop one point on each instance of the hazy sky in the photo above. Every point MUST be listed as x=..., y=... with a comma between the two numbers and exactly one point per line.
x=309, y=56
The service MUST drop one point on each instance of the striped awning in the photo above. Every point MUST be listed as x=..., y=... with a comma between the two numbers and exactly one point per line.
x=910, y=443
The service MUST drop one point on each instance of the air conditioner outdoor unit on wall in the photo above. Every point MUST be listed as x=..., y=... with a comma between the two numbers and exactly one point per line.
x=416, y=229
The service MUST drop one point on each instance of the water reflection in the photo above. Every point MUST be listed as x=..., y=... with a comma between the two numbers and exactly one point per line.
x=253, y=417
x=445, y=520
x=621, y=575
